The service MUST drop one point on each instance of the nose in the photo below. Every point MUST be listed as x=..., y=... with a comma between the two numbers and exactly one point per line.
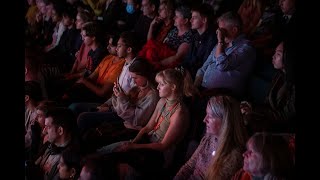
x=205, y=119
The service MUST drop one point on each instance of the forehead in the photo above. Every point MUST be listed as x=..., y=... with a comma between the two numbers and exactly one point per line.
x=48, y=121
x=280, y=47
x=195, y=13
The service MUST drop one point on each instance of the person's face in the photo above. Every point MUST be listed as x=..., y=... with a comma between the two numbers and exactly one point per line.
x=84, y=174
x=196, y=20
x=111, y=48
x=287, y=6
x=162, y=11
x=139, y=80
x=64, y=171
x=252, y=160
x=40, y=118
x=213, y=123
x=79, y=22
x=50, y=130
x=42, y=7
x=87, y=40
x=54, y=16
x=48, y=10
x=67, y=21
x=165, y=89
x=121, y=49
x=277, y=58
x=228, y=31
x=179, y=20
x=146, y=8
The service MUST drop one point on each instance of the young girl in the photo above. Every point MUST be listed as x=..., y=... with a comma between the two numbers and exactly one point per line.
x=165, y=129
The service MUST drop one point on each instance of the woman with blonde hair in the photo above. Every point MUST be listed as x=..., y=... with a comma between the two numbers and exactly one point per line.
x=153, y=147
x=219, y=154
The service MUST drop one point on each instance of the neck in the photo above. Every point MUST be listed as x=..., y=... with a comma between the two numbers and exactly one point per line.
x=63, y=141
x=182, y=30
x=151, y=16
x=129, y=58
x=171, y=101
x=202, y=29
x=167, y=21
x=31, y=106
x=94, y=46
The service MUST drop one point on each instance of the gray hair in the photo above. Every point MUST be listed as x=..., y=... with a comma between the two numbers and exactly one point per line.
x=232, y=19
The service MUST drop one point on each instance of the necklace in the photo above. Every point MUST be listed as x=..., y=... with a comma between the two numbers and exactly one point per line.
x=164, y=113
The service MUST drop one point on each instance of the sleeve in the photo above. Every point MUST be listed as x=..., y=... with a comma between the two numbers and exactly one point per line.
x=137, y=115
x=204, y=67
x=187, y=169
x=239, y=56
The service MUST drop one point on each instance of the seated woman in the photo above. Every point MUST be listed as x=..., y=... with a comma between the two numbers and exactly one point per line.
x=152, y=148
x=163, y=23
x=122, y=116
x=267, y=157
x=169, y=53
x=223, y=144
x=81, y=56
x=98, y=85
x=278, y=113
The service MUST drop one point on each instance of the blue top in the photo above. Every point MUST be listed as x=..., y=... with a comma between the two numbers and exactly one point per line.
x=230, y=69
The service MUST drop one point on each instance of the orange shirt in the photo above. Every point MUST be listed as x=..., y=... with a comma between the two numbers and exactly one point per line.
x=108, y=70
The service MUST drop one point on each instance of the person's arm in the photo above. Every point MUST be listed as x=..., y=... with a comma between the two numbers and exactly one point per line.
x=240, y=55
x=187, y=169
x=154, y=22
x=181, y=52
x=100, y=91
x=202, y=70
x=174, y=133
x=137, y=114
x=151, y=123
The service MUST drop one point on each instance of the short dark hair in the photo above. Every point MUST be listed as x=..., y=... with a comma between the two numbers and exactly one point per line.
x=72, y=158
x=33, y=90
x=205, y=10
x=130, y=39
x=143, y=68
x=63, y=117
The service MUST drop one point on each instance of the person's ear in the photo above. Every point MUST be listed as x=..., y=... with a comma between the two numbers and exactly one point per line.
x=129, y=50
x=60, y=130
x=173, y=87
x=73, y=173
x=26, y=98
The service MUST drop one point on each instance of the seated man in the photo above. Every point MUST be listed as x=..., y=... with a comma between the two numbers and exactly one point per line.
x=99, y=84
x=231, y=61
x=60, y=124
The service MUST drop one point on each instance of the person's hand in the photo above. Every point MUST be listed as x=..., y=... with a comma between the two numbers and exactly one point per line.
x=103, y=108
x=126, y=146
x=155, y=21
x=245, y=107
x=80, y=80
x=117, y=91
x=221, y=34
